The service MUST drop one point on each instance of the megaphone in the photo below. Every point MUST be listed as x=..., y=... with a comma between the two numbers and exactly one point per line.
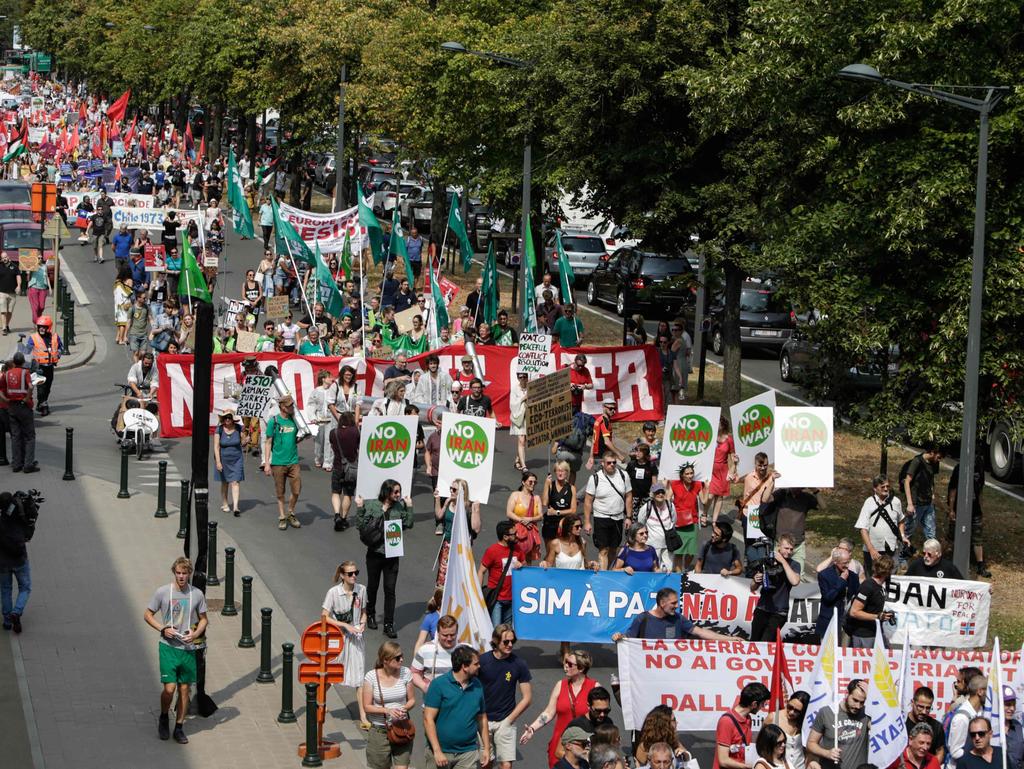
x=477, y=368
x=282, y=390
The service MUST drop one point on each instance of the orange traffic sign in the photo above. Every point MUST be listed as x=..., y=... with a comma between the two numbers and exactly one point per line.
x=322, y=640
x=44, y=197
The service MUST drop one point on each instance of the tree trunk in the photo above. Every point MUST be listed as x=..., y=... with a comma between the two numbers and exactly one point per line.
x=216, y=131
x=731, y=353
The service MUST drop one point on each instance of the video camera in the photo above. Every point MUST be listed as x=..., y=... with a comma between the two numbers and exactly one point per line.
x=765, y=563
x=23, y=504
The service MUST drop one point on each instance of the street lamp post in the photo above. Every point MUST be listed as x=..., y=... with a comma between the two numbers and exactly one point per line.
x=339, y=151
x=969, y=428
x=509, y=61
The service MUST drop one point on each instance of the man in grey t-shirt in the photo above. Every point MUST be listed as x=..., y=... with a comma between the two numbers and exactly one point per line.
x=851, y=750
x=178, y=612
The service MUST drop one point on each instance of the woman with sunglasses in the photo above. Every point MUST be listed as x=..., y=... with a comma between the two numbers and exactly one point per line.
x=771, y=748
x=444, y=516
x=517, y=417
x=343, y=608
x=568, y=700
x=524, y=510
x=558, y=500
x=790, y=720
x=387, y=695
x=659, y=517
x=568, y=551
x=637, y=555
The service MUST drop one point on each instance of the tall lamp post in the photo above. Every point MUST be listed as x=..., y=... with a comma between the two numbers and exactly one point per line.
x=339, y=151
x=969, y=430
x=509, y=61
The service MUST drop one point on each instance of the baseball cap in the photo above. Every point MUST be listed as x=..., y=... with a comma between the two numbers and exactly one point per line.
x=658, y=487
x=575, y=734
x=467, y=358
x=1009, y=695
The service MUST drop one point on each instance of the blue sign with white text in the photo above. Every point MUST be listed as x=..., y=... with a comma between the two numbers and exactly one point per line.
x=581, y=606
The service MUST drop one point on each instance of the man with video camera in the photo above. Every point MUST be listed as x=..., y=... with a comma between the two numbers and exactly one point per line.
x=18, y=514
x=775, y=579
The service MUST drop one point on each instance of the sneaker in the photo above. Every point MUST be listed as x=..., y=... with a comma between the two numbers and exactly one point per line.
x=282, y=523
x=982, y=571
x=32, y=468
x=339, y=523
x=294, y=522
x=179, y=735
x=16, y=622
x=344, y=524
x=439, y=530
x=7, y=622
x=163, y=727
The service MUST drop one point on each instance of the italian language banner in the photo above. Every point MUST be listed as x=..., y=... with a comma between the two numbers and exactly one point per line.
x=581, y=606
x=631, y=375
x=700, y=680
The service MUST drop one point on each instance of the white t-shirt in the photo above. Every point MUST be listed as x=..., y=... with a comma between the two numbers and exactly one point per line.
x=393, y=696
x=433, y=660
x=879, y=532
x=609, y=494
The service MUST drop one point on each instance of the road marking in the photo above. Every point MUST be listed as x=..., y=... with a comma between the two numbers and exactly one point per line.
x=80, y=296
x=26, y=704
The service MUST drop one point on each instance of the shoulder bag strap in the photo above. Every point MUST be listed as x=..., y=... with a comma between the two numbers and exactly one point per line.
x=739, y=728
x=504, y=571
x=380, y=690
x=880, y=512
x=751, y=495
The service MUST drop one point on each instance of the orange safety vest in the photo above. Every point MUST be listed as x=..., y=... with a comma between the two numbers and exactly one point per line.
x=44, y=356
x=18, y=385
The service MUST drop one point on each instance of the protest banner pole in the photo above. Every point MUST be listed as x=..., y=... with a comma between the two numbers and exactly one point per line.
x=302, y=288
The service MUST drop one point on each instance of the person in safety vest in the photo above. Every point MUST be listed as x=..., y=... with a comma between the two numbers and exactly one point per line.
x=45, y=347
x=16, y=392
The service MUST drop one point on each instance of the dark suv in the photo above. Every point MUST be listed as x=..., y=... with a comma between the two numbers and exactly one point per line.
x=766, y=320
x=633, y=280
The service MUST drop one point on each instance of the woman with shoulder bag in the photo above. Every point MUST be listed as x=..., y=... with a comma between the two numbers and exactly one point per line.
x=524, y=510
x=387, y=696
x=345, y=446
x=343, y=608
x=660, y=518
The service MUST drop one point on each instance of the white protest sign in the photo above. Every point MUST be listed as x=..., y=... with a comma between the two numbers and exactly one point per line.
x=467, y=452
x=394, y=542
x=255, y=393
x=117, y=198
x=534, y=354
x=939, y=612
x=753, y=425
x=690, y=438
x=35, y=134
x=387, y=448
x=804, y=437
x=235, y=306
x=138, y=218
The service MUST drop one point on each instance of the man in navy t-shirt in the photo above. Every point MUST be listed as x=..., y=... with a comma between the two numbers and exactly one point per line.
x=501, y=670
x=663, y=622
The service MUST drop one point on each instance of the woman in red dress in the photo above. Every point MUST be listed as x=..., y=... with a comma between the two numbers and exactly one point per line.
x=723, y=472
x=686, y=496
x=568, y=700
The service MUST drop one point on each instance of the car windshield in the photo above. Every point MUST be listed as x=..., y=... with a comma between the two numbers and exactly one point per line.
x=20, y=238
x=379, y=176
x=15, y=215
x=583, y=245
x=15, y=194
x=760, y=300
x=660, y=266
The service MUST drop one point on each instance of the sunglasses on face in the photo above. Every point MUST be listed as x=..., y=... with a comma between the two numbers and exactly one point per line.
x=507, y=641
x=352, y=573
x=977, y=735
x=601, y=711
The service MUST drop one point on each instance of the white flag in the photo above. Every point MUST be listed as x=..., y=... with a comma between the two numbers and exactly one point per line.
x=463, y=597
x=823, y=680
x=993, y=708
x=888, y=732
x=906, y=691
x=1018, y=677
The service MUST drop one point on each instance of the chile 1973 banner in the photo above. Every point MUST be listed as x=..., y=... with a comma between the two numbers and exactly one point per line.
x=700, y=680
x=632, y=375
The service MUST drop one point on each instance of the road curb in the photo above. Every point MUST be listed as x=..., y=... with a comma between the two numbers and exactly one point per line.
x=85, y=341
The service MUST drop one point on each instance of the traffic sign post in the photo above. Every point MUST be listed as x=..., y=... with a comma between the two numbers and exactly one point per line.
x=321, y=643
x=44, y=203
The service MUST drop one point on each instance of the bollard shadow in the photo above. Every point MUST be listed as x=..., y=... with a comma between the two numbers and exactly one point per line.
x=314, y=513
x=222, y=716
x=229, y=690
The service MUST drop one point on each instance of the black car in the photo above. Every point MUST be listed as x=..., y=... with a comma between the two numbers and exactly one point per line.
x=633, y=280
x=801, y=359
x=766, y=319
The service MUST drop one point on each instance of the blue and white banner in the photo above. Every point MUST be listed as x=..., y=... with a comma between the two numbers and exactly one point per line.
x=581, y=606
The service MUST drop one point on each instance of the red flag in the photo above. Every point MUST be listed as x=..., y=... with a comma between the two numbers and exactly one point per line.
x=174, y=135
x=142, y=144
x=130, y=134
x=117, y=171
x=779, y=672
x=73, y=143
x=190, y=143
x=202, y=148
x=115, y=131
x=117, y=110
x=103, y=134
x=83, y=113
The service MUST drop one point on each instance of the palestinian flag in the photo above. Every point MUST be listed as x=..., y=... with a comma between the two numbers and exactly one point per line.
x=267, y=171
x=16, y=147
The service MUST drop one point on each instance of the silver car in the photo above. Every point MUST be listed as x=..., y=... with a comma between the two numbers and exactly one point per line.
x=583, y=248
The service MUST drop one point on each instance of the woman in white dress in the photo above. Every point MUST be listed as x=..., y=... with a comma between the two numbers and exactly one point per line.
x=660, y=517
x=790, y=720
x=343, y=607
x=517, y=409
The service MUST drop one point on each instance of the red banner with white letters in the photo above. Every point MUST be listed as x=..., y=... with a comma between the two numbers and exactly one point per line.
x=631, y=375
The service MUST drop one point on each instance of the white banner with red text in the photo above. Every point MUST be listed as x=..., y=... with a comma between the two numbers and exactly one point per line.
x=631, y=375
x=700, y=680
x=328, y=230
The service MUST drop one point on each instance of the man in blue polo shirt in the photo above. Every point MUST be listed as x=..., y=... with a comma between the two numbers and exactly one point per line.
x=454, y=713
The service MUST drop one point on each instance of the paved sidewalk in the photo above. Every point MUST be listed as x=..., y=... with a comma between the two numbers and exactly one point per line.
x=90, y=662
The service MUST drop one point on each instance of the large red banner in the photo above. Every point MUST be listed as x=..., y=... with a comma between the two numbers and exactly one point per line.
x=632, y=375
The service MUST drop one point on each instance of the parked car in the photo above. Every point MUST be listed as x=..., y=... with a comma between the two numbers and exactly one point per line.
x=15, y=193
x=390, y=194
x=371, y=176
x=614, y=236
x=634, y=280
x=800, y=359
x=18, y=235
x=323, y=174
x=583, y=249
x=416, y=209
x=766, y=320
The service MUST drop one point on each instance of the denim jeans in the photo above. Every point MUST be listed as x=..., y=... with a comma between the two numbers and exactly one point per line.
x=924, y=516
x=24, y=577
x=501, y=613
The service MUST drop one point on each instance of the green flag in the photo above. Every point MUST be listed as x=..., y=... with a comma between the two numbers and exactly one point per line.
x=287, y=240
x=191, y=282
x=346, y=257
x=456, y=225
x=529, y=264
x=566, y=277
x=489, y=291
x=373, y=230
x=396, y=247
x=326, y=289
x=440, y=311
x=241, y=216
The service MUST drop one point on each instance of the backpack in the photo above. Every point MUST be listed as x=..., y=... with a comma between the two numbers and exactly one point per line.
x=582, y=428
x=904, y=472
x=371, y=531
x=769, y=515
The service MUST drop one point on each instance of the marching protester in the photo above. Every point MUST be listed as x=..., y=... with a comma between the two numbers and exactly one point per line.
x=517, y=417
x=982, y=753
x=791, y=507
x=839, y=740
x=444, y=518
x=719, y=555
x=229, y=460
x=920, y=714
x=344, y=440
x=569, y=550
x=734, y=731
x=637, y=555
x=502, y=671
x=558, y=500
x=434, y=658
x=370, y=517
x=428, y=625
x=723, y=470
x=665, y=622
x=280, y=446
x=454, y=714
x=387, y=696
x=602, y=442
x=918, y=754
x=660, y=518
x=568, y=701
x=496, y=564
x=607, y=504
x=960, y=737
x=790, y=721
x=686, y=496
x=643, y=473
x=524, y=511
x=343, y=608
x=1012, y=728
x=658, y=733
x=758, y=488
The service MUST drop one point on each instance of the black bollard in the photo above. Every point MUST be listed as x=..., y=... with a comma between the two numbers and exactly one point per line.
x=161, y=490
x=287, y=715
x=4, y=461
x=312, y=757
x=122, y=492
x=69, y=454
x=265, y=676
x=229, y=609
x=184, y=510
x=246, y=641
x=69, y=326
x=211, y=570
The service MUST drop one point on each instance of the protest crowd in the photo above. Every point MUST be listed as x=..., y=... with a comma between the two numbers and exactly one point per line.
x=400, y=385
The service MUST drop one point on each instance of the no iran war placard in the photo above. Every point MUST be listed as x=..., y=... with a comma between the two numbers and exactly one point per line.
x=467, y=452
x=387, y=448
x=690, y=435
x=753, y=429
x=804, y=446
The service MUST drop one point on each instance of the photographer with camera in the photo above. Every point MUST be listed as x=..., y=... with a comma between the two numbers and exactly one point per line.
x=18, y=514
x=881, y=524
x=869, y=605
x=778, y=575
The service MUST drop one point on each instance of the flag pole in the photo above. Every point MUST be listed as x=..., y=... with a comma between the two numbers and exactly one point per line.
x=302, y=289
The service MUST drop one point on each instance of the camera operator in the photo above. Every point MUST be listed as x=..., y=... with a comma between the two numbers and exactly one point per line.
x=869, y=605
x=776, y=578
x=18, y=513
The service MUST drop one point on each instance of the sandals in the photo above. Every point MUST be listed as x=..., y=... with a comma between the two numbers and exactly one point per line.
x=224, y=508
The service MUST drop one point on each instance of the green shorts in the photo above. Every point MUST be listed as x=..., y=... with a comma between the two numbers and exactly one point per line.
x=177, y=666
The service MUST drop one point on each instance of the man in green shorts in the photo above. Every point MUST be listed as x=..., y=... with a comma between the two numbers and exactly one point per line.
x=281, y=445
x=178, y=612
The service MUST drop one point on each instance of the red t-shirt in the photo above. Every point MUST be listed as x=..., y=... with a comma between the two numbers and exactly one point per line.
x=602, y=436
x=930, y=761
x=494, y=559
x=685, y=502
x=578, y=377
x=726, y=732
